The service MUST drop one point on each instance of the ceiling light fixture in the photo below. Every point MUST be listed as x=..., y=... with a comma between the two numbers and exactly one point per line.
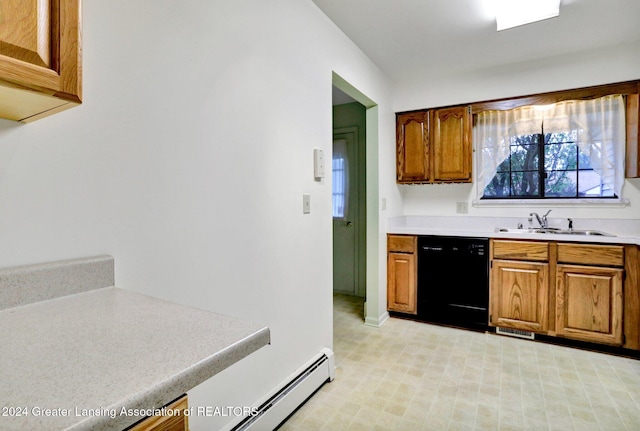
x=513, y=13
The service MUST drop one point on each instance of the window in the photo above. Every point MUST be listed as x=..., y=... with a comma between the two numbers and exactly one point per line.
x=546, y=165
x=568, y=150
x=340, y=179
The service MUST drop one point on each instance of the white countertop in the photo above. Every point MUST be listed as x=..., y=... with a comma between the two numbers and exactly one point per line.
x=625, y=231
x=92, y=353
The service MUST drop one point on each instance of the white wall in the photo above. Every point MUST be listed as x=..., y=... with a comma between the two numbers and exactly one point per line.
x=581, y=69
x=187, y=162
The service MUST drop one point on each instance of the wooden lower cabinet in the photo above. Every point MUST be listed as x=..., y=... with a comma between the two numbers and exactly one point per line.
x=589, y=303
x=518, y=295
x=177, y=422
x=402, y=274
x=401, y=287
x=581, y=291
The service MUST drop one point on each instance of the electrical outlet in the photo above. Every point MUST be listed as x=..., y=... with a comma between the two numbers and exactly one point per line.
x=462, y=207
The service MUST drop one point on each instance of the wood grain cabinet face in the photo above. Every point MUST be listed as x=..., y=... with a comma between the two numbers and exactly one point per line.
x=40, y=57
x=570, y=290
x=166, y=423
x=412, y=147
x=402, y=274
x=632, y=162
x=434, y=146
x=452, y=144
x=519, y=292
x=589, y=303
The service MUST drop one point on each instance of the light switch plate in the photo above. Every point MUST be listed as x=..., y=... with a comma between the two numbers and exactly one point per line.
x=306, y=204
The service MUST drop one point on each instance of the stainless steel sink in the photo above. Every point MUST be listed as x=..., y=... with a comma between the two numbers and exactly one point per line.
x=553, y=231
x=513, y=230
x=585, y=232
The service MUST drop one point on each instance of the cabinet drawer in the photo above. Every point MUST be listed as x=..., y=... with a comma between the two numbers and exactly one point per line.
x=401, y=243
x=521, y=250
x=591, y=254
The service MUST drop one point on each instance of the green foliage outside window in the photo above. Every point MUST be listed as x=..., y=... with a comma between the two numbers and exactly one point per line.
x=547, y=165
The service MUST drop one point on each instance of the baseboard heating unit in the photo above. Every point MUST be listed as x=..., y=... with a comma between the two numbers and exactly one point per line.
x=277, y=406
x=515, y=333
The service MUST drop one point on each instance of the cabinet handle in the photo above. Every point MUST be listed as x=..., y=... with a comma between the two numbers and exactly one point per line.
x=348, y=223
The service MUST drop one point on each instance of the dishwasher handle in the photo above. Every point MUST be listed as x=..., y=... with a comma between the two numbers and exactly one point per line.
x=436, y=248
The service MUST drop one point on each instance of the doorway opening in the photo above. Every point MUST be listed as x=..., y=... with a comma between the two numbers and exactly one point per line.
x=355, y=231
x=349, y=198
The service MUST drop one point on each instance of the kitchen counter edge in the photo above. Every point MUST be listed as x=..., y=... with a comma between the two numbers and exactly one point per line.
x=159, y=383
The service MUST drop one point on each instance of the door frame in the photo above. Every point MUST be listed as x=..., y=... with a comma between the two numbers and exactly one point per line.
x=375, y=300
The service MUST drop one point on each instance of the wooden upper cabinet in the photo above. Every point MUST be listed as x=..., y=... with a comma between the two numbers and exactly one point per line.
x=633, y=136
x=434, y=146
x=451, y=132
x=412, y=146
x=40, y=57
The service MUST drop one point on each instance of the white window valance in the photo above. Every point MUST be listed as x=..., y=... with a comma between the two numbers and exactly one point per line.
x=599, y=125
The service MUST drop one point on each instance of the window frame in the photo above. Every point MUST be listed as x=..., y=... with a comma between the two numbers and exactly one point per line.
x=630, y=90
x=541, y=171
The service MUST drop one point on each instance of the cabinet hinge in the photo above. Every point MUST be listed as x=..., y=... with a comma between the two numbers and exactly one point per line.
x=491, y=264
x=624, y=339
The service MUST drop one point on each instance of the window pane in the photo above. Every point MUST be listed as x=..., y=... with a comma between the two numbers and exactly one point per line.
x=590, y=185
x=584, y=162
x=524, y=157
x=552, y=138
x=560, y=156
x=525, y=184
x=560, y=184
x=505, y=166
x=338, y=187
x=499, y=186
x=518, y=176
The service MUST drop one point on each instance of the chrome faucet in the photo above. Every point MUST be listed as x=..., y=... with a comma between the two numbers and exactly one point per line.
x=541, y=220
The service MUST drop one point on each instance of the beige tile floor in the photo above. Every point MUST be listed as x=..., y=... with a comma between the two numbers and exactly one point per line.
x=410, y=376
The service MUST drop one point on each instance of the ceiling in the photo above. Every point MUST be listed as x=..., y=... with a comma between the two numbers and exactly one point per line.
x=414, y=39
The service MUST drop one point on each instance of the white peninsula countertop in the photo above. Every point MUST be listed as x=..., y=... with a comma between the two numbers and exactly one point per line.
x=84, y=360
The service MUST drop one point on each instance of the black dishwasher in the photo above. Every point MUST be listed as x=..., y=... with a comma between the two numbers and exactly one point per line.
x=453, y=281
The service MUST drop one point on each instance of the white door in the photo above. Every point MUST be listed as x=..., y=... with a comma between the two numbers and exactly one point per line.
x=345, y=208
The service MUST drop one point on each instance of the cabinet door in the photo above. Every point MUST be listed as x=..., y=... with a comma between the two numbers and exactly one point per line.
x=174, y=422
x=412, y=147
x=40, y=56
x=632, y=162
x=401, y=283
x=452, y=144
x=519, y=295
x=589, y=303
